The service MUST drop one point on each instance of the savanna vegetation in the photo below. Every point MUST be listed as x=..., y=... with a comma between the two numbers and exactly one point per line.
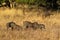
x=46, y=3
x=13, y=14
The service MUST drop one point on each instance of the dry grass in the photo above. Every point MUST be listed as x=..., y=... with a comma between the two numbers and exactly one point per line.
x=51, y=32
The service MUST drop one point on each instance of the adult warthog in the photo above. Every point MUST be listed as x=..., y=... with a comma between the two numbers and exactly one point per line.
x=13, y=26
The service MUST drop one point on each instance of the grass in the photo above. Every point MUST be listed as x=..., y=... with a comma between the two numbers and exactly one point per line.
x=52, y=25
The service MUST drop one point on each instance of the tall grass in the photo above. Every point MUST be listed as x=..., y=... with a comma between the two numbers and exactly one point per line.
x=50, y=33
x=51, y=23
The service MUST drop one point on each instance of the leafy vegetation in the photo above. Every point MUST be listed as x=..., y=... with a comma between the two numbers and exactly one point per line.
x=29, y=1
x=47, y=3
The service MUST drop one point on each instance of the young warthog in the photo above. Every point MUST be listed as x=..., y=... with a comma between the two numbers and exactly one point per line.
x=36, y=26
x=27, y=24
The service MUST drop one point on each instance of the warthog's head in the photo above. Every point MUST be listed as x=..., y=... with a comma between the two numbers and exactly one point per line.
x=27, y=24
x=10, y=25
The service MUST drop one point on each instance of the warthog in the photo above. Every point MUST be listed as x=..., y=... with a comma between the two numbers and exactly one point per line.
x=12, y=25
x=27, y=24
x=33, y=25
x=36, y=26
